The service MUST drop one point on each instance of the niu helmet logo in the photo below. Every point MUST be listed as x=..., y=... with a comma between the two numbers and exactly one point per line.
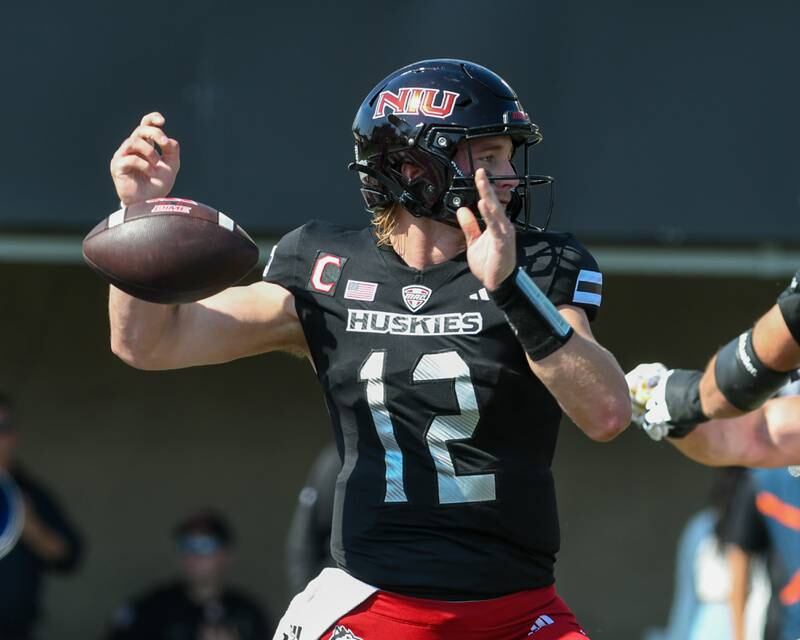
x=414, y=101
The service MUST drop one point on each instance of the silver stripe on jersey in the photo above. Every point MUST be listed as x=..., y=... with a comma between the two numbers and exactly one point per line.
x=371, y=372
x=587, y=297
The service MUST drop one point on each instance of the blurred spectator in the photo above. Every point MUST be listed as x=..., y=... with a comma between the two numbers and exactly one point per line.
x=48, y=541
x=701, y=602
x=308, y=548
x=767, y=520
x=199, y=605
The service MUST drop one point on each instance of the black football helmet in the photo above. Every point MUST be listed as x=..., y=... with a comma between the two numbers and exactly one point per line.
x=420, y=114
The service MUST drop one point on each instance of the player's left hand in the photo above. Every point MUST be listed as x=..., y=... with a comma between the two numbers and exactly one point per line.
x=491, y=254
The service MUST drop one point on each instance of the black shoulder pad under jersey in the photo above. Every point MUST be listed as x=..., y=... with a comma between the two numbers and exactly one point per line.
x=562, y=264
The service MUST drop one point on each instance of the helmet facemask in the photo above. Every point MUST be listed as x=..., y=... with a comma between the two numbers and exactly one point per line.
x=441, y=188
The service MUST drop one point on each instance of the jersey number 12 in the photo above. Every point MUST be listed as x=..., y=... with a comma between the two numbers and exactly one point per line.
x=447, y=365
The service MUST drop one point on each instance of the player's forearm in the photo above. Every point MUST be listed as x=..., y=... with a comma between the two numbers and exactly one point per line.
x=137, y=328
x=589, y=385
x=767, y=437
x=584, y=378
x=718, y=443
x=775, y=347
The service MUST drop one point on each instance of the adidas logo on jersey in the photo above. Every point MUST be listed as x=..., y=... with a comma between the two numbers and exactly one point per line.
x=541, y=622
x=295, y=630
x=480, y=294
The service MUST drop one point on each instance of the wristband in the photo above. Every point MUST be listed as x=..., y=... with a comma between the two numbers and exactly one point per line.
x=539, y=327
x=682, y=397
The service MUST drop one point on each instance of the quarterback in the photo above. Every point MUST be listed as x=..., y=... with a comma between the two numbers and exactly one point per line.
x=448, y=336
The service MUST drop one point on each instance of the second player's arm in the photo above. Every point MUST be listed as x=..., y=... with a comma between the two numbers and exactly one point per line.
x=766, y=437
x=740, y=378
x=586, y=380
x=775, y=346
x=238, y=322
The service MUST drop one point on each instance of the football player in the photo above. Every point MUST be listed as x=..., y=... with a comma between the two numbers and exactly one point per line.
x=747, y=427
x=448, y=337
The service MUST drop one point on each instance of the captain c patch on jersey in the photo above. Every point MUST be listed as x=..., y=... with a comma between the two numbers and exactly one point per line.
x=325, y=273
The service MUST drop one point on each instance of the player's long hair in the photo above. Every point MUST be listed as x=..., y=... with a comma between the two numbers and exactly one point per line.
x=384, y=220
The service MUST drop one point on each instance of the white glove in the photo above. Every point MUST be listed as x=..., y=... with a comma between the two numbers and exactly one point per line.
x=646, y=384
x=641, y=382
x=794, y=471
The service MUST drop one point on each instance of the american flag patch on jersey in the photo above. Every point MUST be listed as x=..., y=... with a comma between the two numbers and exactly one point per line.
x=588, y=288
x=358, y=290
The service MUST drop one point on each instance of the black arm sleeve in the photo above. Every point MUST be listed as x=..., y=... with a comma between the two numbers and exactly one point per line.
x=308, y=543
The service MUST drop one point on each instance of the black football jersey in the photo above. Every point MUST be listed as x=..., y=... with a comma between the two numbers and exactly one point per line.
x=445, y=434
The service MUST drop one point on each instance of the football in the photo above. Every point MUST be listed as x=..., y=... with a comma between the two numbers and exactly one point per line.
x=170, y=250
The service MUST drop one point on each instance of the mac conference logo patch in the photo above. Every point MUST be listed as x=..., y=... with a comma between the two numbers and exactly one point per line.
x=415, y=296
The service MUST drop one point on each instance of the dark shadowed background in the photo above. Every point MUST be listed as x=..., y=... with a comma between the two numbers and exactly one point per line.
x=663, y=121
x=671, y=128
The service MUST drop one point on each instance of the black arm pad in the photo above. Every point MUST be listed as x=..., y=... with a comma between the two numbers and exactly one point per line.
x=536, y=322
x=743, y=379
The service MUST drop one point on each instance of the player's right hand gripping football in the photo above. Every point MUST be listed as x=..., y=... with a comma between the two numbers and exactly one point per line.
x=139, y=172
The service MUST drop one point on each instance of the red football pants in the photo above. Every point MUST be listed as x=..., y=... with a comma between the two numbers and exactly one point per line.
x=538, y=614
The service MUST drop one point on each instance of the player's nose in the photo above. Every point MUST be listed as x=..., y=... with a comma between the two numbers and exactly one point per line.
x=507, y=178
